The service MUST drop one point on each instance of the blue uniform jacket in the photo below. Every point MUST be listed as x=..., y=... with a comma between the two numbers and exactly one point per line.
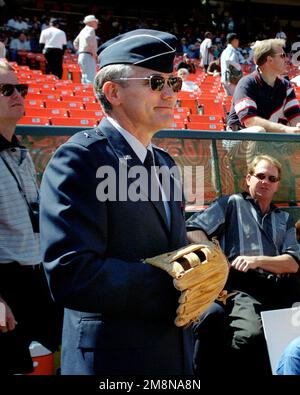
x=119, y=311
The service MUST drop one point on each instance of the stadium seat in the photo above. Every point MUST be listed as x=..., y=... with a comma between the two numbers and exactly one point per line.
x=211, y=106
x=179, y=110
x=192, y=104
x=204, y=126
x=65, y=121
x=33, y=90
x=92, y=106
x=44, y=97
x=74, y=113
x=205, y=118
x=33, y=120
x=65, y=104
x=33, y=103
x=180, y=117
x=178, y=125
x=46, y=112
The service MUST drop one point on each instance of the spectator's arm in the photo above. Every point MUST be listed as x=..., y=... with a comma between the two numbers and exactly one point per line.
x=270, y=126
x=274, y=264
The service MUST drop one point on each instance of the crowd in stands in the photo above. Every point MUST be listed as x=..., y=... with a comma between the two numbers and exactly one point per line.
x=199, y=40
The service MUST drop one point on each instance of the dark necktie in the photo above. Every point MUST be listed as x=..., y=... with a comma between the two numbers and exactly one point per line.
x=149, y=161
x=154, y=187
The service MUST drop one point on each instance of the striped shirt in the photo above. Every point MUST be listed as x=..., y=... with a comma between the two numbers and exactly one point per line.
x=18, y=242
x=242, y=229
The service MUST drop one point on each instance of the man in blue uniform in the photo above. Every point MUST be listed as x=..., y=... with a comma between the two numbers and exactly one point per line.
x=119, y=311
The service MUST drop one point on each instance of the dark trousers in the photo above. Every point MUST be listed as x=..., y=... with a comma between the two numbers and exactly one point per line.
x=25, y=290
x=229, y=338
x=54, y=58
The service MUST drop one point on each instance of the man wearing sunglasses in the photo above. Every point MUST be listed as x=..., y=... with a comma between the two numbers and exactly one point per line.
x=29, y=314
x=260, y=243
x=119, y=316
x=264, y=99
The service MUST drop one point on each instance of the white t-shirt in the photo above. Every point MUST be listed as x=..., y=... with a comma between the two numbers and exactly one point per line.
x=53, y=38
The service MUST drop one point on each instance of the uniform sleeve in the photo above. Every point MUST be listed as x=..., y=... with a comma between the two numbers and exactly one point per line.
x=244, y=100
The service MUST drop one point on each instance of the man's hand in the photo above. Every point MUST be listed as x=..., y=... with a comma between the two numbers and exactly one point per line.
x=7, y=319
x=244, y=263
x=293, y=129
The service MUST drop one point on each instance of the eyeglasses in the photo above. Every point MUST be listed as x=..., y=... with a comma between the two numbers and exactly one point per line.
x=262, y=176
x=283, y=55
x=8, y=89
x=157, y=82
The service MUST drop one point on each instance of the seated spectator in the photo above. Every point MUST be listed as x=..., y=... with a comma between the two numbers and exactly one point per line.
x=11, y=23
x=264, y=99
x=260, y=243
x=187, y=63
x=17, y=24
x=18, y=44
x=214, y=68
x=289, y=363
x=187, y=85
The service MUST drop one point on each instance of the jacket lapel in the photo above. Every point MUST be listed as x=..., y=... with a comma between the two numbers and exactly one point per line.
x=128, y=159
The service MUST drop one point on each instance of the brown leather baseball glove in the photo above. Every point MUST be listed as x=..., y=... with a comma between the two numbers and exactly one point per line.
x=200, y=272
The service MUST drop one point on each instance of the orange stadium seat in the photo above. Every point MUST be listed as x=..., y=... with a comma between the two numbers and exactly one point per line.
x=33, y=103
x=44, y=97
x=33, y=120
x=65, y=121
x=205, y=118
x=178, y=125
x=46, y=112
x=83, y=93
x=92, y=106
x=65, y=92
x=212, y=107
x=86, y=114
x=33, y=90
x=181, y=117
x=66, y=104
x=192, y=104
x=204, y=126
x=180, y=110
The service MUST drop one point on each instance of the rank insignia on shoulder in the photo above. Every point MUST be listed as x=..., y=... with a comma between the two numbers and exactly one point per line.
x=86, y=135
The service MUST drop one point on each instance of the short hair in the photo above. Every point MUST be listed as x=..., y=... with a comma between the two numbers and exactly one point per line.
x=265, y=48
x=230, y=37
x=110, y=73
x=182, y=70
x=268, y=158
